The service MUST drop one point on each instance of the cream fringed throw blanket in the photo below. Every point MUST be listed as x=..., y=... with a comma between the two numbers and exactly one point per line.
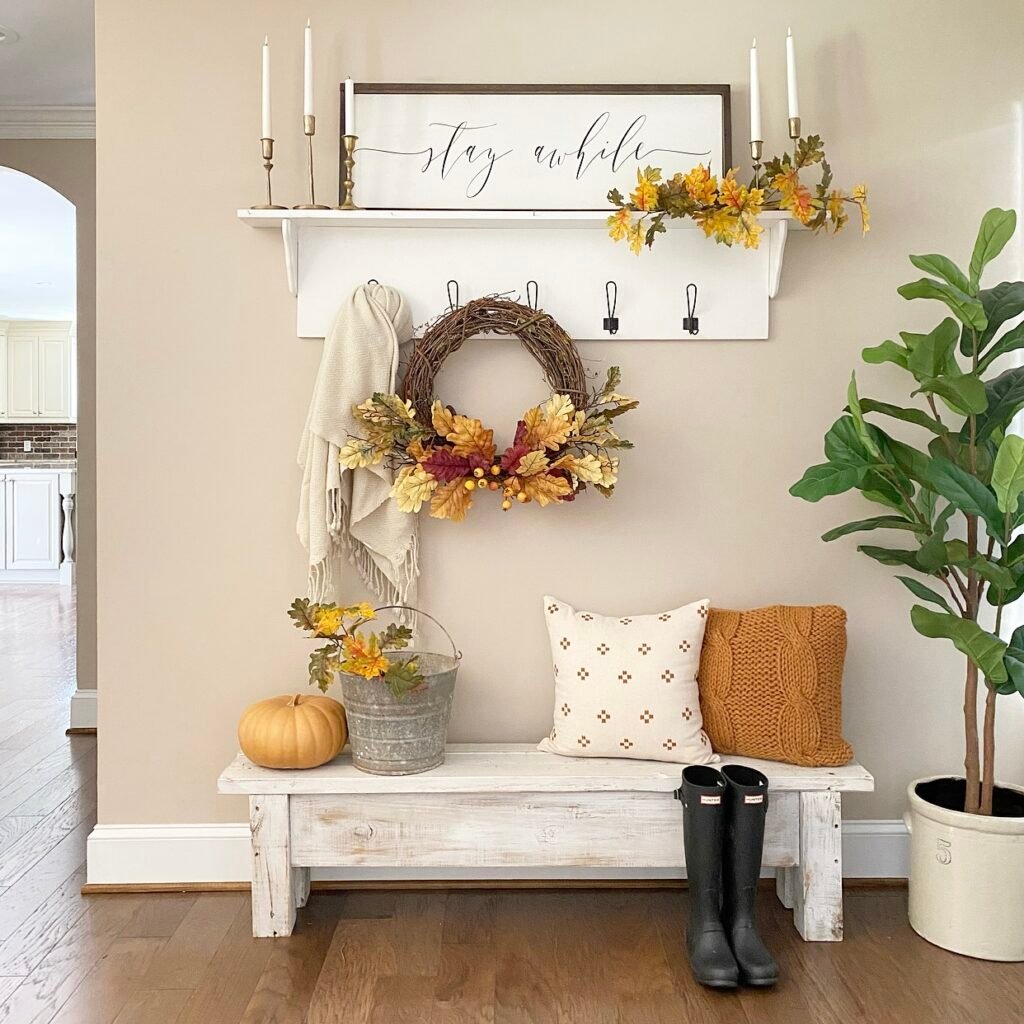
x=349, y=512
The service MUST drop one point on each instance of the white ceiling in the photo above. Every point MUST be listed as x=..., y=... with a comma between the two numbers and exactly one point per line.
x=37, y=250
x=53, y=61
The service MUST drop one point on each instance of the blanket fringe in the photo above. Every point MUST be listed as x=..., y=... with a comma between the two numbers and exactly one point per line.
x=321, y=575
x=320, y=581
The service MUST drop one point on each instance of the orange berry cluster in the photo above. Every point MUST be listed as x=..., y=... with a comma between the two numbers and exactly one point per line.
x=480, y=481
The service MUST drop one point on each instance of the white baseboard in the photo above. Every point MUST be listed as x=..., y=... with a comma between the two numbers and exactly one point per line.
x=83, y=709
x=876, y=849
x=193, y=854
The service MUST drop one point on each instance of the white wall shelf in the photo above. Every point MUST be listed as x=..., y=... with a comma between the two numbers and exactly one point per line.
x=566, y=252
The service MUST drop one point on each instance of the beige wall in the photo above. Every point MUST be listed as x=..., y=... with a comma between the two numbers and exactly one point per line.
x=203, y=385
x=69, y=166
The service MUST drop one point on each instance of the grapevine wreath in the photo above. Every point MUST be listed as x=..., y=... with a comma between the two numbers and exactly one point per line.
x=443, y=457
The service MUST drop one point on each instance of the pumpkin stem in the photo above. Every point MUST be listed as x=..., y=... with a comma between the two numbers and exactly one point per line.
x=295, y=700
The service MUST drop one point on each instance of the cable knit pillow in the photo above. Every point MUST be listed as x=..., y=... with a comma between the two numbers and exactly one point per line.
x=627, y=686
x=771, y=683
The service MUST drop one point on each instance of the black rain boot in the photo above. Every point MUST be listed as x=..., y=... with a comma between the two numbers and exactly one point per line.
x=747, y=804
x=703, y=794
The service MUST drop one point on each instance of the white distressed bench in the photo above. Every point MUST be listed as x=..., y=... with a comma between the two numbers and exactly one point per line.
x=509, y=806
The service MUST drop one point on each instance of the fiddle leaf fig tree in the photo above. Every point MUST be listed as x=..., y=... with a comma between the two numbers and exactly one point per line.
x=956, y=498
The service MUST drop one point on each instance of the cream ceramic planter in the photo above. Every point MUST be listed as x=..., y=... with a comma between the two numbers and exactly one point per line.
x=966, y=879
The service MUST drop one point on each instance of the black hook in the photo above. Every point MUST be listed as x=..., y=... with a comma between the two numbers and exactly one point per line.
x=532, y=303
x=373, y=280
x=611, y=300
x=453, y=303
x=690, y=322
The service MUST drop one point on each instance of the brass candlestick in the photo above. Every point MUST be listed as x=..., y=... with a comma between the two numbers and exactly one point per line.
x=268, y=162
x=347, y=202
x=309, y=129
x=794, y=127
x=756, y=149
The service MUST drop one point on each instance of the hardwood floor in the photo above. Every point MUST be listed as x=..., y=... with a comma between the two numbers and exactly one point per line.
x=459, y=957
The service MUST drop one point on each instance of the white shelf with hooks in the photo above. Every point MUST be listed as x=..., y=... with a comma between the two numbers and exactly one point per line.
x=329, y=252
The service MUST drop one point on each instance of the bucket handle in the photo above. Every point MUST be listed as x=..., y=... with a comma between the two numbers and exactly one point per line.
x=419, y=611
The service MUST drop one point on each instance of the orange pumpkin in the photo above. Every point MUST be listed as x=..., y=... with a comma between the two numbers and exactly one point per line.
x=293, y=731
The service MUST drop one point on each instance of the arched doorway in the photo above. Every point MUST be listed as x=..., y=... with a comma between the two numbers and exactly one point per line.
x=38, y=449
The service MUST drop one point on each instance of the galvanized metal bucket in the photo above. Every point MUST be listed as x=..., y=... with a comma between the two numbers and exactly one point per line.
x=401, y=735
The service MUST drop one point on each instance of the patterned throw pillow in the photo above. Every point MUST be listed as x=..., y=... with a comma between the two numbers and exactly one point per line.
x=626, y=686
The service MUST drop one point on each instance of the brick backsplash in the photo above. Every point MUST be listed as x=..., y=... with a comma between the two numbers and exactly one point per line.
x=49, y=441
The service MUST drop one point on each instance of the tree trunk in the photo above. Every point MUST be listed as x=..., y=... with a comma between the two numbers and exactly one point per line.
x=988, y=772
x=972, y=768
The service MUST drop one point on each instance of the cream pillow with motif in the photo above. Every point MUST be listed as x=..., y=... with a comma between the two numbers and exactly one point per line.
x=627, y=686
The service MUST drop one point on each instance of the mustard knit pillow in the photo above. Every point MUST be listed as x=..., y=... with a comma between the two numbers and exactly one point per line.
x=771, y=683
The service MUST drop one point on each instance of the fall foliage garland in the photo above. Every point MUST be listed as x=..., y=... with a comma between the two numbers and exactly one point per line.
x=728, y=210
x=444, y=457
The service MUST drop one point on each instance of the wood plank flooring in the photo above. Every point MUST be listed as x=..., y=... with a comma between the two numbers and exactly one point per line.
x=431, y=957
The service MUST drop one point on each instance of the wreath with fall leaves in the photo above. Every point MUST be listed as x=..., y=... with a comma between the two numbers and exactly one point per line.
x=443, y=458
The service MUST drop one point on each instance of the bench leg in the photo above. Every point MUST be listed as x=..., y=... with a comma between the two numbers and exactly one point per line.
x=784, y=885
x=817, y=881
x=273, y=889
x=300, y=886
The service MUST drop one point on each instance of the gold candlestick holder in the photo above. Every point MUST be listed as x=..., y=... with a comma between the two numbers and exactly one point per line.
x=309, y=130
x=794, y=127
x=268, y=163
x=756, y=151
x=349, y=142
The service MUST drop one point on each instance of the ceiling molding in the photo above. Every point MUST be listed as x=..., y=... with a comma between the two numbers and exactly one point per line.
x=47, y=122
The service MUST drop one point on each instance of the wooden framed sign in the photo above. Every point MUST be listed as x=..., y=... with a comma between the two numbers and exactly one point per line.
x=528, y=147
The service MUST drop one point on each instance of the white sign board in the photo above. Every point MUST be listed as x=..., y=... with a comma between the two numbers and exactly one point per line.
x=450, y=147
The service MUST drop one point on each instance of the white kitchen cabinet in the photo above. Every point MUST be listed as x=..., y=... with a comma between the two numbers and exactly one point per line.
x=38, y=371
x=32, y=521
x=54, y=394
x=22, y=375
x=36, y=525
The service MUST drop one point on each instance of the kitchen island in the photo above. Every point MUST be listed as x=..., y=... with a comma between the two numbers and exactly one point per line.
x=37, y=521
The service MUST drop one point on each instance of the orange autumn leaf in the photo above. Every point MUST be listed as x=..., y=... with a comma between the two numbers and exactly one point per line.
x=645, y=195
x=419, y=451
x=363, y=657
x=701, y=184
x=636, y=235
x=546, y=429
x=750, y=231
x=532, y=463
x=618, y=224
x=545, y=488
x=731, y=191
x=471, y=437
x=722, y=225
x=443, y=418
x=793, y=195
x=451, y=501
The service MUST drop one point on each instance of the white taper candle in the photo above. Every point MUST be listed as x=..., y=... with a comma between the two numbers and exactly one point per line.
x=350, y=107
x=307, y=67
x=266, y=129
x=794, y=101
x=755, y=95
